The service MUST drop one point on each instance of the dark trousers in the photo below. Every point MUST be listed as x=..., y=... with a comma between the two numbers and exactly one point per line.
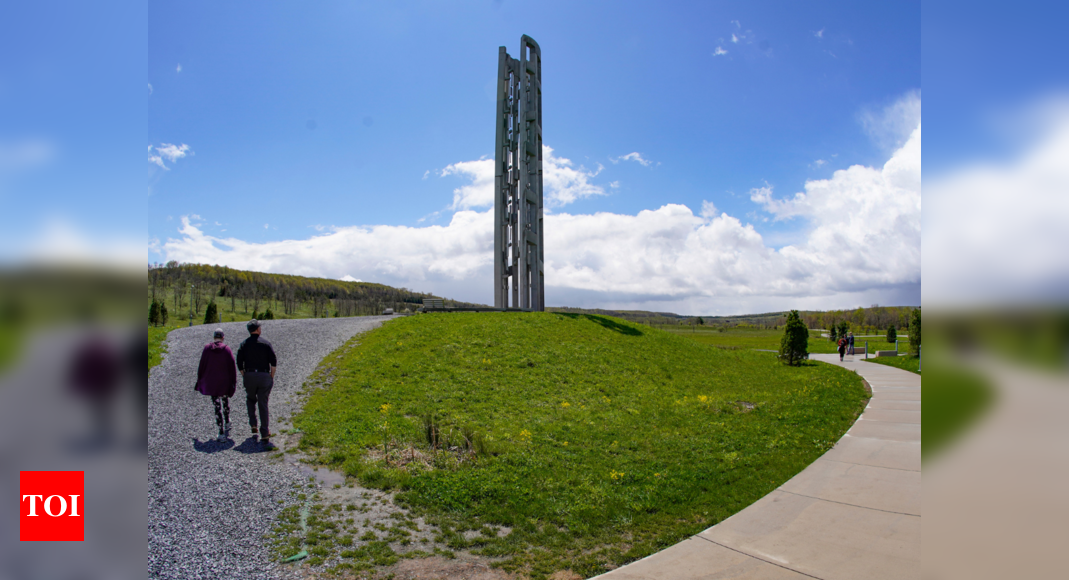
x=257, y=390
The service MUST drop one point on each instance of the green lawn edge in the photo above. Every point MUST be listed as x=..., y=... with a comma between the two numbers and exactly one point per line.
x=664, y=460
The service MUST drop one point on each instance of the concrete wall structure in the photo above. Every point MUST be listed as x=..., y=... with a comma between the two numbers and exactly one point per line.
x=518, y=240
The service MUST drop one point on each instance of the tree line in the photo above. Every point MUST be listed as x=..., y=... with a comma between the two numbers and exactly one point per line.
x=191, y=288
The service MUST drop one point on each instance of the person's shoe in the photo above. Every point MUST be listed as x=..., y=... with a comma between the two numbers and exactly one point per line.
x=255, y=431
x=221, y=437
x=226, y=426
x=267, y=443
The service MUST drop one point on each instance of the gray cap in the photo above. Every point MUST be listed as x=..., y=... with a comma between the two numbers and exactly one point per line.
x=253, y=325
x=218, y=333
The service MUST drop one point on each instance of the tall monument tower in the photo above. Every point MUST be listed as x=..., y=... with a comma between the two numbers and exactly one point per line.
x=518, y=255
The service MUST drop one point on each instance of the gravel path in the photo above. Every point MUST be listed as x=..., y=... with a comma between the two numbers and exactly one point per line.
x=211, y=503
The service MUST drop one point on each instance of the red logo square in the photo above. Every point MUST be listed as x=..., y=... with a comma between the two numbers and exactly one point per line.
x=52, y=506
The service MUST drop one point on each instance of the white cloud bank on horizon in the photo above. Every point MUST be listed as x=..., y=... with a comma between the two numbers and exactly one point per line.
x=995, y=230
x=863, y=246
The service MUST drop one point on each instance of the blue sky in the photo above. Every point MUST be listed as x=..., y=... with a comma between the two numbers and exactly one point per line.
x=286, y=120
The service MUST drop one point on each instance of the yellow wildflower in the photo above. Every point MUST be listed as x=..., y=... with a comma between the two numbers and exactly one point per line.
x=385, y=408
x=565, y=404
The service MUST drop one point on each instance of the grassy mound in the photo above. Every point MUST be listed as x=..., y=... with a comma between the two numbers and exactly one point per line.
x=594, y=440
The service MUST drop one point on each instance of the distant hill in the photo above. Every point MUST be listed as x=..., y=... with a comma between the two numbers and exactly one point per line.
x=239, y=293
x=871, y=318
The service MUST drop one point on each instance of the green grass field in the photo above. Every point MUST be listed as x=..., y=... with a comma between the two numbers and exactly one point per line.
x=596, y=441
x=906, y=363
x=754, y=338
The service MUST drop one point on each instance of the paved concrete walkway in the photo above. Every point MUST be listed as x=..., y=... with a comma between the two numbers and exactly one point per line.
x=854, y=513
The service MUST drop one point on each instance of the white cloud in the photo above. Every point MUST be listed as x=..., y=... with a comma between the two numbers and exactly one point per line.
x=859, y=244
x=890, y=126
x=708, y=210
x=348, y=278
x=819, y=33
x=736, y=23
x=719, y=51
x=62, y=241
x=634, y=156
x=478, y=193
x=426, y=174
x=995, y=230
x=863, y=246
x=562, y=181
x=614, y=185
x=734, y=38
x=169, y=152
x=150, y=88
x=178, y=68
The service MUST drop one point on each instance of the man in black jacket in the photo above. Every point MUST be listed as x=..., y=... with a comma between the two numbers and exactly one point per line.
x=256, y=361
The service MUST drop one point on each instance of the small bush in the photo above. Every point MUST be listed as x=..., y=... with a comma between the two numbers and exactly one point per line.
x=892, y=334
x=154, y=313
x=211, y=313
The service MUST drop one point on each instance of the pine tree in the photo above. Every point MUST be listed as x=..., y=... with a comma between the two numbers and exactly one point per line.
x=794, y=348
x=163, y=313
x=892, y=334
x=154, y=313
x=915, y=332
x=211, y=313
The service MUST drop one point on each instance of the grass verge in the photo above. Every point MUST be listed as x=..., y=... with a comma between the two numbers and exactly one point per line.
x=593, y=441
x=954, y=399
x=906, y=363
x=156, y=349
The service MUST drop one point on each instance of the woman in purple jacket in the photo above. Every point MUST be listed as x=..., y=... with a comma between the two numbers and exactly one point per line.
x=217, y=377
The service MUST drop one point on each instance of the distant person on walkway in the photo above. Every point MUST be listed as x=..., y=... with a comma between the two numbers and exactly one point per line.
x=850, y=339
x=217, y=378
x=842, y=348
x=94, y=374
x=257, y=362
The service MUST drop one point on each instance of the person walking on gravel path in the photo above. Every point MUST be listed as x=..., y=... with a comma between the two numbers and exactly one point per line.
x=257, y=363
x=217, y=378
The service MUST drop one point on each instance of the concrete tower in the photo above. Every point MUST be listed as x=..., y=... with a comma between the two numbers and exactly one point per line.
x=518, y=256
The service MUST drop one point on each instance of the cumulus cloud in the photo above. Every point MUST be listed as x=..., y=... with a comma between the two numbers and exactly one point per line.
x=634, y=156
x=480, y=191
x=861, y=245
x=995, y=230
x=720, y=51
x=168, y=152
x=890, y=126
x=563, y=182
x=819, y=33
